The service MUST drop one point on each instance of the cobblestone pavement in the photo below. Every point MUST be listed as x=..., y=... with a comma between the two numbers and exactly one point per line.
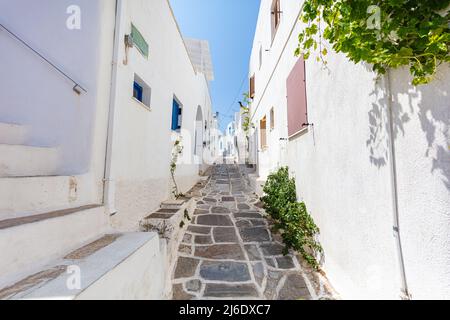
x=228, y=251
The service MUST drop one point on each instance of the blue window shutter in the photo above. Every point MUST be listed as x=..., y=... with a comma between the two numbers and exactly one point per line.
x=137, y=91
x=175, y=113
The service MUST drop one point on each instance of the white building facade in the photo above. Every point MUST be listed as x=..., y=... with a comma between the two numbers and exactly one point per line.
x=93, y=96
x=370, y=189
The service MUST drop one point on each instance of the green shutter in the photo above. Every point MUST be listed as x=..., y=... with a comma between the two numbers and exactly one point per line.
x=139, y=41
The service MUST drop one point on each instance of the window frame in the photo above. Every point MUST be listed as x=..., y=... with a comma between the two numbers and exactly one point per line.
x=252, y=86
x=179, y=115
x=144, y=96
x=263, y=134
x=138, y=91
x=272, y=119
x=275, y=18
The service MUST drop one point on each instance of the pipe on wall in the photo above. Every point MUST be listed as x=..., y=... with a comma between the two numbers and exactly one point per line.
x=108, y=180
x=405, y=294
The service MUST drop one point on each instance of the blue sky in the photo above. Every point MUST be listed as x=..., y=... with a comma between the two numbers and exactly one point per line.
x=229, y=26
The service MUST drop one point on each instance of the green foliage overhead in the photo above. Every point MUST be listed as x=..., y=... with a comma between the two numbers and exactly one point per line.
x=291, y=217
x=384, y=33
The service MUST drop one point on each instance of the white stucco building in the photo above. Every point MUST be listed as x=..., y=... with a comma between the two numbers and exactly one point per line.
x=370, y=158
x=93, y=95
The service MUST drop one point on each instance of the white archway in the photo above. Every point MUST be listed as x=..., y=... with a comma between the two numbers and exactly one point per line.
x=199, y=132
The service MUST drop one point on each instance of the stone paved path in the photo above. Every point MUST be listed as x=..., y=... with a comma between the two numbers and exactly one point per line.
x=228, y=251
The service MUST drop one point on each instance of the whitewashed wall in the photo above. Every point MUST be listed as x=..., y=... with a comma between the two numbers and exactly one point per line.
x=36, y=96
x=142, y=142
x=343, y=169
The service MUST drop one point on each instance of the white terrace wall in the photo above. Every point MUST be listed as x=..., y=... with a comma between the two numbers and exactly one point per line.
x=142, y=139
x=343, y=168
x=35, y=96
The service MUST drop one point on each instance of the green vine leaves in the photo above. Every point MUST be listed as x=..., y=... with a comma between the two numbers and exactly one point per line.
x=245, y=109
x=387, y=34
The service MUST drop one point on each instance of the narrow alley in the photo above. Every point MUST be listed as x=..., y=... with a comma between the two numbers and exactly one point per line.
x=229, y=251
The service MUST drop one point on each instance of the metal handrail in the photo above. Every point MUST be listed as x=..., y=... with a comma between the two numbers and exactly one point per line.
x=77, y=87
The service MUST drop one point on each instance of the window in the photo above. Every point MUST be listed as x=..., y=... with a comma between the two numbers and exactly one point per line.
x=139, y=41
x=137, y=91
x=297, y=99
x=272, y=119
x=276, y=16
x=141, y=91
x=263, y=132
x=252, y=87
x=177, y=112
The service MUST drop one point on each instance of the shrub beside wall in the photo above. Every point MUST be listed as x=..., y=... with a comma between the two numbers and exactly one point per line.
x=291, y=217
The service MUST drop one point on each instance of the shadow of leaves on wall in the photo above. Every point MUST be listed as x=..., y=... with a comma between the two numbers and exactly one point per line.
x=430, y=104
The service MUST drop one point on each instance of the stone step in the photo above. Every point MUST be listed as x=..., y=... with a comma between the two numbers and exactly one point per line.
x=27, y=161
x=30, y=242
x=115, y=266
x=173, y=204
x=171, y=225
x=11, y=133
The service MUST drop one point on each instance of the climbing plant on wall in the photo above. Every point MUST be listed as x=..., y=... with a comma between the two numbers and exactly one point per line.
x=177, y=150
x=384, y=33
x=245, y=109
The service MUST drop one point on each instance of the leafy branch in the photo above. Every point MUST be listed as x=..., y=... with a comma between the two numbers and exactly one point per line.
x=245, y=110
x=386, y=34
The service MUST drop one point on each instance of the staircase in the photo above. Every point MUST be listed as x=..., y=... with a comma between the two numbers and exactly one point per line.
x=21, y=160
x=42, y=215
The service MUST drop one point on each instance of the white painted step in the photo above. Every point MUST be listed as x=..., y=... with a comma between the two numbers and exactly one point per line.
x=11, y=133
x=31, y=242
x=27, y=161
x=23, y=196
x=115, y=267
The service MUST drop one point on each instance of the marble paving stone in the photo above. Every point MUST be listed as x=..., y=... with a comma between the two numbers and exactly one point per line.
x=180, y=294
x=243, y=206
x=255, y=234
x=199, y=229
x=203, y=239
x=186, y=267
x=253, y=252
x=193, y=286
x=244, y=224
x=187, y=238
x=225, y=234
x=220, y=252
x=218, y=290
x=285, y=263
x=249, y=215
x=214, y=220
x=294, y=288
x=271, y=262
x=258, y=272
x=220, y=210
x=186, y=249
x=227, y=199
x=272, y=249
x=227, y=271
x=200, y=211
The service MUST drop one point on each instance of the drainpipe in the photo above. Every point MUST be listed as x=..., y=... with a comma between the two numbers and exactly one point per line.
x=394, y=187
x=108, y=180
